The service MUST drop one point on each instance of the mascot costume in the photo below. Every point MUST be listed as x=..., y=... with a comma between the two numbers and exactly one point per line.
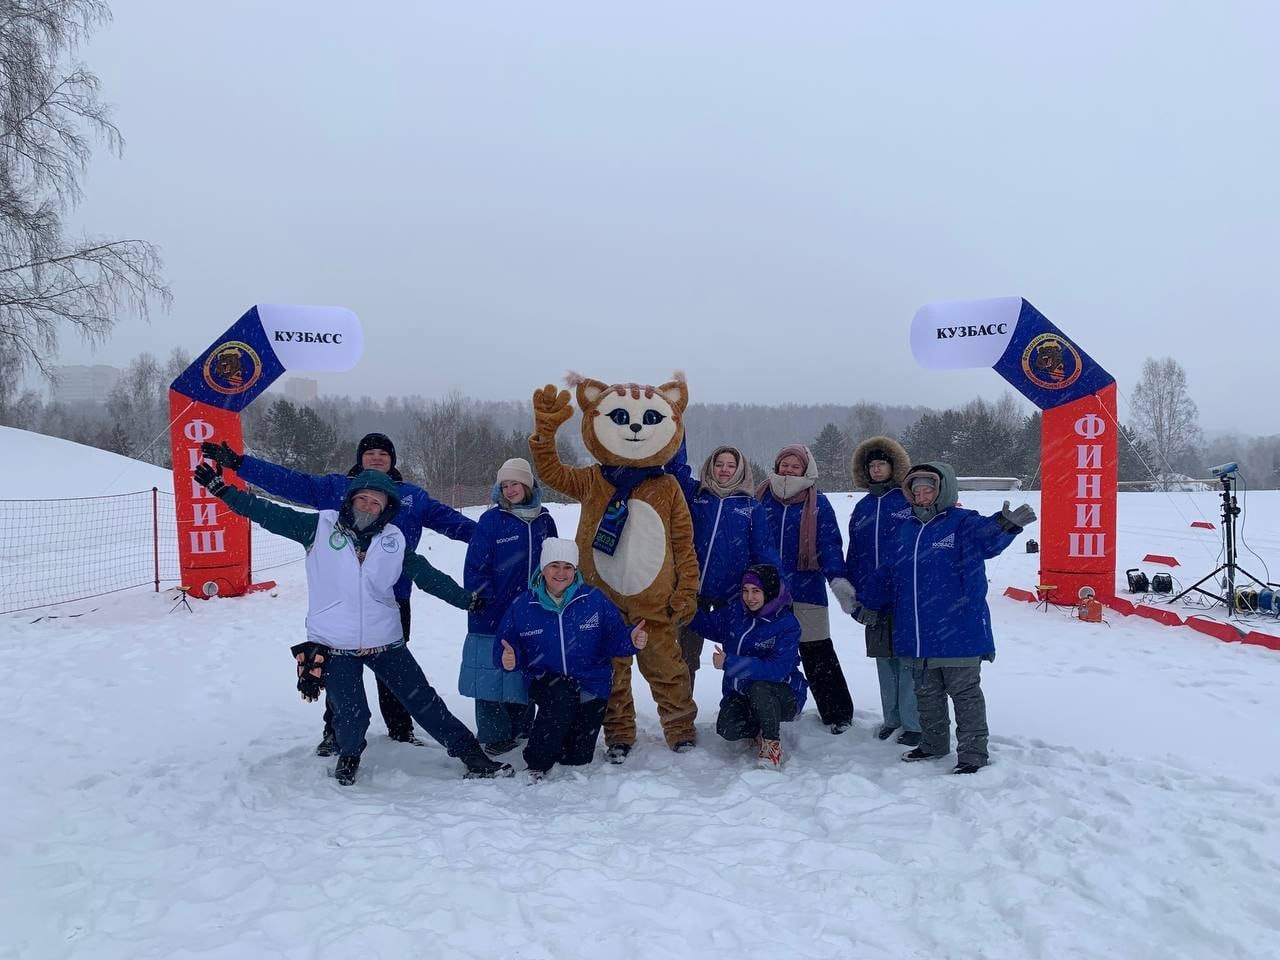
x=635, y=537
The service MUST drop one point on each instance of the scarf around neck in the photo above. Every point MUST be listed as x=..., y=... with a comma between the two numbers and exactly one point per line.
x=624, y=481
x=792, y=490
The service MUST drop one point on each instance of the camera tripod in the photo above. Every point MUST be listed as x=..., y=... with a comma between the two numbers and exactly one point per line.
x=1229, y=513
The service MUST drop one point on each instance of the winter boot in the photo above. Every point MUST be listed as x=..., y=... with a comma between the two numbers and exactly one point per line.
x=770, y=755
x=967, y=767
x=684, y=746
x=328, y=745
x=402, y=736
x=910, y=738
x=480, y=767
x=345, y=771
x=535, y=776
x=499, y=748
x=840, y=727
x=884, y=733
x=911, y=756
x=617, y=752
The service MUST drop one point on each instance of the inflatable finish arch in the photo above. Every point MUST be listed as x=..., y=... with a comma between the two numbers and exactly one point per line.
x=214, y=546
x=1078, y=440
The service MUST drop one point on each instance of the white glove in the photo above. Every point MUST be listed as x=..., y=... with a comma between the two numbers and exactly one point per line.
x=846, y=596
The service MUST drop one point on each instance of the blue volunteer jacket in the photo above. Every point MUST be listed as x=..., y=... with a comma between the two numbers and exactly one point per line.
x=578, y=641
x=729, y=533
x=809, y=586
x=755, y=648
x=873, y=526
x=502, y=559
x=417, y=508
x=934, y=576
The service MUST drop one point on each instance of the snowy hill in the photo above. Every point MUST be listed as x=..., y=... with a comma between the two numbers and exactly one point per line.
x=50, y=467
x=162, y=799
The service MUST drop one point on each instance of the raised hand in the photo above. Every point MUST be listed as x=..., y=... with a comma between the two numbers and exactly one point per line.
x=221, y=453
x=717, y=658
x=639, y=636
x=210, y=478
x=551, y=408
x=1015, y=520
x=508, y=656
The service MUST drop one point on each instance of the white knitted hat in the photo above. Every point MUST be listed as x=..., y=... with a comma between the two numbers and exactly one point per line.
x=517, y=469
x=557, y=548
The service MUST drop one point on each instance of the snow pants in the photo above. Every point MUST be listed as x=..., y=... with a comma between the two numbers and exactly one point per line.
x=393, y=665
x=663, y=667
x=394, y=715
x=826, y=681
x=566, y=727
x=759, y=712
x=964, y=686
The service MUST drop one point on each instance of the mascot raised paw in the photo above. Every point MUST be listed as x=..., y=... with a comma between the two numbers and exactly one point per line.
x=635, y=537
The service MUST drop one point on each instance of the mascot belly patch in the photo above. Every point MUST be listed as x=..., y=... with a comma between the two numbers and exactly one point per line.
x=641, y=552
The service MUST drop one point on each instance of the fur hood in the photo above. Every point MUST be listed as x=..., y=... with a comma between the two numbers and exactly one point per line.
x=897, y=457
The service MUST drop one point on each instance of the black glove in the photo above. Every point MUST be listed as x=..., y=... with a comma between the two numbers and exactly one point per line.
x=707, y=604
x=221, y=453
x=1012, y=521
x=211, y=478
x=476, y=603
x=866, y=616
x=310, y=657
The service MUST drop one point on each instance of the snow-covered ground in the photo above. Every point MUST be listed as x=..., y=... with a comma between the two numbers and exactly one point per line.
x=161, y=799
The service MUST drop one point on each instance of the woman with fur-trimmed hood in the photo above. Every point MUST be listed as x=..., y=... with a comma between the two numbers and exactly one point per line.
x=879, y=465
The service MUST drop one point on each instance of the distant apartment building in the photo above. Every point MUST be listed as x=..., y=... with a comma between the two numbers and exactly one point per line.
x=301, y=390
x=83, y=384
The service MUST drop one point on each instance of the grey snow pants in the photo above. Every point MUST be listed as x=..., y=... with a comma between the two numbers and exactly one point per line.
x=964, y=686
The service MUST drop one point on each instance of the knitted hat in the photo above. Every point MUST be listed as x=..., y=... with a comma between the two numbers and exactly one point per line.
x=878, y=454
x=765, y=576
x=375, y=441
x=517, y=469
x=558, y=549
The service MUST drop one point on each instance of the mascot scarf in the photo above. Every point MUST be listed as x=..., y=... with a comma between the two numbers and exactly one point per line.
x=624, y=480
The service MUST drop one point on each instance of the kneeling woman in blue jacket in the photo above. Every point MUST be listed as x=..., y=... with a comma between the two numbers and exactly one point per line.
x=564, y=635
x=763, y=685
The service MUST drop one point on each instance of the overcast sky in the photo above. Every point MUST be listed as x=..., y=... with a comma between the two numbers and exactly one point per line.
x=761, y=194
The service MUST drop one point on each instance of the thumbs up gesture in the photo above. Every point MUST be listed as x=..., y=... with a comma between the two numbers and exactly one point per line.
x=508, y=656
x=717, y=658
x=639, y=636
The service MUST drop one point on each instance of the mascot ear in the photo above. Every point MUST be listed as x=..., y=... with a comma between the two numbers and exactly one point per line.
x=676, y=392
x=589, y=391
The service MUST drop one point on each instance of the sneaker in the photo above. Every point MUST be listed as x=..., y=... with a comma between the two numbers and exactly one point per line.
x=770, y=755
x=968, y=767
x=684, y=746
x=910, y=738
x=328, y=745
x=345, y=771
x=617, y=752
x=841, y=727
x=410, y=737
x=911, y=756
x=884, y=733
x=499, y=748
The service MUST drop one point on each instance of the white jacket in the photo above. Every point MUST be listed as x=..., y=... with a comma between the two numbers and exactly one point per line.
x=352, y=605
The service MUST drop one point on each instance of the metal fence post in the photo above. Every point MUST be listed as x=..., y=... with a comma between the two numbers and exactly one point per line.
x=155, y=532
